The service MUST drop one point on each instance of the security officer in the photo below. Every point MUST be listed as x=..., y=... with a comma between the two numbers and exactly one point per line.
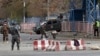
x=96, y=28
x=15, y=37
x=42, y=31
x=5, y=31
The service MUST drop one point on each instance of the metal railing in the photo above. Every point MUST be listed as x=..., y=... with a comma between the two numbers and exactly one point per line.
x=77, y=26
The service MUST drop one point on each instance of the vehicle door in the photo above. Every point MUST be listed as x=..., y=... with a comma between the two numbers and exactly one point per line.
x=55, y=24
x=49, y=25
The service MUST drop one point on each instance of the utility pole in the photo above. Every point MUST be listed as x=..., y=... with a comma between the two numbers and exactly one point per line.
x=24, y=5
x=48, y=13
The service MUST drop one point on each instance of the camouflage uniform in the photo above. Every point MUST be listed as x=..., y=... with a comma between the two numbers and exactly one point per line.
x=42, y=31
x=5, y=31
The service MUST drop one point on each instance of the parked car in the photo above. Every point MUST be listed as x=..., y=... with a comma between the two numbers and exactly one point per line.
x=53, y=24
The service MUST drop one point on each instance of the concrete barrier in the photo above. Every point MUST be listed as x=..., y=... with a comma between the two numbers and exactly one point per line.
x=46, y=45
x=70, y=45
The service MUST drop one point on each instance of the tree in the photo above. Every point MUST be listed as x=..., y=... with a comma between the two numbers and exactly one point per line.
x=14, y=8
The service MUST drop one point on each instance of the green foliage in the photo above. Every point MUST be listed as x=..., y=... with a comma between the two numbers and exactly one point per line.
x=13, y=8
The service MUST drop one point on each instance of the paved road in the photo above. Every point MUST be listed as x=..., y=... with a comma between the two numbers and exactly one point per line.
x=41, y=53
x=27, y=48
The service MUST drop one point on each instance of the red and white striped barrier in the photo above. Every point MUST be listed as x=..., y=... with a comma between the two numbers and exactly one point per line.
x=54, y=46
x=70, y=45
x=46, y=45
x=40, y=44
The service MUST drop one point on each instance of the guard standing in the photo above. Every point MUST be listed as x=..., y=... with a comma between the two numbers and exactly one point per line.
x=96, y=28
x=5, y=31
x=15, y=37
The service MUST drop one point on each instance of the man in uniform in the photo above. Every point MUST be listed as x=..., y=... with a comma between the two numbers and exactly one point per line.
x=42, y=31
x=15, y=37
x=96, y=28
x=5, y=31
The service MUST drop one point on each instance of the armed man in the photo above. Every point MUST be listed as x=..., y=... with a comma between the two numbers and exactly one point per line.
x=15, y=37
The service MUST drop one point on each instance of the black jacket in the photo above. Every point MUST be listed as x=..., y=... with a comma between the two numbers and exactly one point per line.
x=14, y=32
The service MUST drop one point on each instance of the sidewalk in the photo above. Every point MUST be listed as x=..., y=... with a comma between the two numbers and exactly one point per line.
x=23, y=46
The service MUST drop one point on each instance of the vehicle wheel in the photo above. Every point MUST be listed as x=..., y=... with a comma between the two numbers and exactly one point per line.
x=37, y=32
x=58, y=30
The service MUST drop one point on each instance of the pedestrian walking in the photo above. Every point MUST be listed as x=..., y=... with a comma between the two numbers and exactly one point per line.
x=96, y=28
x=42, y=31
x=5, y=31
x=15, y=37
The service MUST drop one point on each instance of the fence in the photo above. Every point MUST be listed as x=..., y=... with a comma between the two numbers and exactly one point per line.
x=77, y=26
x=27, y=27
